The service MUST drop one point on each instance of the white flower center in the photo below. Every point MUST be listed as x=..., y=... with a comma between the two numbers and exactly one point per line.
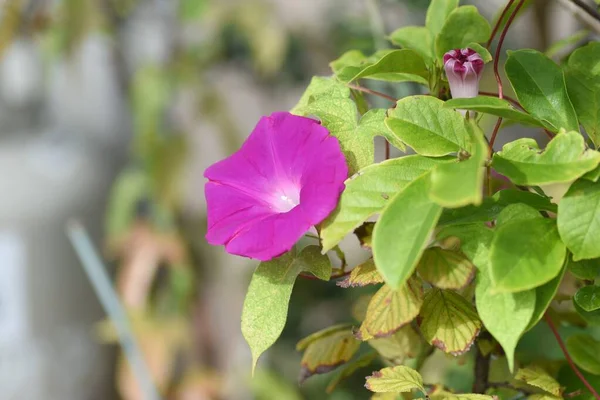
x=286, y=199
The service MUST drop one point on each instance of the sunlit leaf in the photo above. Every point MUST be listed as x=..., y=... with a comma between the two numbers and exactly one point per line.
x=448, y=321
x=475, y=240
x=493, y=106
x=362, y=275
x=417, y=38
x=564, y=159
x=266, y=303
x=588, y=298
x=397, y=379
x=406, y=343
x=369, y=191
x=463, y=26
x=403, y=230
x=584, y=269
x=579, y=219
x=437, y=14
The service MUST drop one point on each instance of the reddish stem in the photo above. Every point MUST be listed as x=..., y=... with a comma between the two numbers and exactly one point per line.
x=373, y=92
x=314, y=278
x=387, y=150
x=497, y=26
x=568, y=357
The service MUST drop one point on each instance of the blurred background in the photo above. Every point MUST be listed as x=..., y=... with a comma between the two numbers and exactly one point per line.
x=110, y=110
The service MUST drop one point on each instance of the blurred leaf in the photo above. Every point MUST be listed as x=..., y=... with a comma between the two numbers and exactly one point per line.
x=584, y=269
x=368, y=192
x=267, y=385
x=536, y=376
x=11, y=21
x=130, y=188
x=417, y=38
x=397, y=379
x=463, y=26
x=564, y=159
x=349, y=369
x=588, y=298
x=493, y=106
x=445, y=269
x=577, y=219
x=448, y=321
x=304, y=343
x=559, y=46
x=437, y=14
x=190, y=10
x=585, y=349
x=264, y=316
x=423, y=123
x=525, y=254
x=362, y=275
x=364, y=234
x=389, y=310
x=403, y=230
x=327, y=353
x=540, y=88
x=405, y=343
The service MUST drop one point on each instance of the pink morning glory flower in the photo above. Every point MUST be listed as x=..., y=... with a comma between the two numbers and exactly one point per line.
x=463, y=69
x=287, y=177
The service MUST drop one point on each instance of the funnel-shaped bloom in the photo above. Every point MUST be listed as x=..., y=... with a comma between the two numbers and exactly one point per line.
x=287, y=177
x=463, y=69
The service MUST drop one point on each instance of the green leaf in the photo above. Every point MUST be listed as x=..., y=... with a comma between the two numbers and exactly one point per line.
x=516, y=211
x=505, y=315
x=330, y=102
x=327, y=353
x=493, y=106
x=579, y=219
x=397, y=379
x=588, y=298
x=369, y=191
x=448, y=321
x=131, y=186
x=392, y=66
x=536, y=376
x=485, y=54
x=593, y=175
x=560, y=45
x=585, y=349
x=565, y=159
x=364, y=234
x=584, y=92
x=446, y=269
x=540, y=88
x=406, y=343
x=352, y=58
x=389, y=310
x=402, y=231
x=586, y=58
x=475, y=240
x=438, y=13
x=266, y=303
x=461, y=183
x=584, y=269
x=463, y=26
x=304, y=343
x=492, y=206
x=591, y=317
x=424, y=124
x=525, y=253
x=363, y=275
x=543, y=297
x=349, y=369
x=417, y=38
x=444, y=395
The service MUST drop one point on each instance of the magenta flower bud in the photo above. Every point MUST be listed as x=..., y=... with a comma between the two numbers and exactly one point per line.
x=463, y=69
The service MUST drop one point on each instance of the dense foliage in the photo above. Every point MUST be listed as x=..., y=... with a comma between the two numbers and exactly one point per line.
x=468, y=249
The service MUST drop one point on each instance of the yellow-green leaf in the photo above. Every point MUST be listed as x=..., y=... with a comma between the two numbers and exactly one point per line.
x=363, y=275
x=327, y=353
x=536, y=376
x=448, y=321
x=397, y=379
x=446, y=269
x=406, y=343
x=389, y=309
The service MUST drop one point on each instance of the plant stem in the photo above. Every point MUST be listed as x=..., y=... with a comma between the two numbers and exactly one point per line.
x=498, y=23
x=482, y=371
x=373, y=92
x=568, y=357
x=513, y=101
